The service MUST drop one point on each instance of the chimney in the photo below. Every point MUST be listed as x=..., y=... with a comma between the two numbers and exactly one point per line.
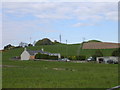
x=25, y=49
x=42, y=49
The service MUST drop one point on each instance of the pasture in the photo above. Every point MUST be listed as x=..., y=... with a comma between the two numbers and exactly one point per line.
x=45, y=74
x=71, y=50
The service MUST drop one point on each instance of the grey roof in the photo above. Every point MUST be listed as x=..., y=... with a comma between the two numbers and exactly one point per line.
x=40, y=51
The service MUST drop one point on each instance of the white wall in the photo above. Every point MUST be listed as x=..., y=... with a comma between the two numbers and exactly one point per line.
x=25, y=55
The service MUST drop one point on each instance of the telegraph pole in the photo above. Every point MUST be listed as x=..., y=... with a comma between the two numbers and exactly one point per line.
x=66, y=48
x=83, y=39
x=60, y=38
x=30, y=40
x=80, y=47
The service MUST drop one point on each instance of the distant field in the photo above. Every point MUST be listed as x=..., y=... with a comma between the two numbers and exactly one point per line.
x=42, y=74
x=71, y=50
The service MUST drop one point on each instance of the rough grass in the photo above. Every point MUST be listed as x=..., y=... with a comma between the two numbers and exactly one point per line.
x=42, y=74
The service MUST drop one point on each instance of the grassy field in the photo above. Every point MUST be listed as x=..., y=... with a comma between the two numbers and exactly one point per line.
x=43, y=74
x=71, y=50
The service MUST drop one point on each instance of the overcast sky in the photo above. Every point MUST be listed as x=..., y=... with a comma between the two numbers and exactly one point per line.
x=73, y=20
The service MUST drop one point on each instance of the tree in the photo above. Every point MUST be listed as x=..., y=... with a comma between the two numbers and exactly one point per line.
x=9, y=46
x=30, y=45
x=116, y=52
x=44, y=41
x=97, y=53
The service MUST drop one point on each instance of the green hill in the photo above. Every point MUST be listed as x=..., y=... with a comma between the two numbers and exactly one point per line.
x=71, y=50
x=64, y=50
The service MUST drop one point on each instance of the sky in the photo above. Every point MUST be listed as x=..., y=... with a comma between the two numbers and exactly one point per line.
x=75, y=21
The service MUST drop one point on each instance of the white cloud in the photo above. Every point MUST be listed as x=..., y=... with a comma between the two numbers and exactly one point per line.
x=82, y=11
x=60, y=1
x=83, y=24
x=112, y=16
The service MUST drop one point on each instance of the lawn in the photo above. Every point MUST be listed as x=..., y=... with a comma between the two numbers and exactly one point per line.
x=43, y=74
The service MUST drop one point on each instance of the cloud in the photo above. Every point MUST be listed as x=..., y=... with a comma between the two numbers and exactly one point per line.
x=81, y=11
x=60, y=0
x=112, y=16
x=83, y=24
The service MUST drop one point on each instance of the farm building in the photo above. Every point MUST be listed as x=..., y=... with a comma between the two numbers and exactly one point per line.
x=100, y=45
x=107, y=59
x=30, y=55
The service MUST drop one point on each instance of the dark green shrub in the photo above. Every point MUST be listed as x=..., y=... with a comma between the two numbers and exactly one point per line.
x=82, y=57
x=62, y=56
x=41, y=56
x=97, y=53
x=38, y=56
x=44, y=56
x=116, y=52
x=53, y=57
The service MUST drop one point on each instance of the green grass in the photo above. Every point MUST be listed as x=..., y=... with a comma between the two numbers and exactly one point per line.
x=72, y=50
x=41, y=74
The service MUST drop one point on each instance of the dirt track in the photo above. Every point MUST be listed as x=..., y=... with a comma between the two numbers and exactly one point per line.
x=8, y=66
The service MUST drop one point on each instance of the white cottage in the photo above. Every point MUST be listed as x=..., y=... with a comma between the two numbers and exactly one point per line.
x=30, y=55
x=25, y=55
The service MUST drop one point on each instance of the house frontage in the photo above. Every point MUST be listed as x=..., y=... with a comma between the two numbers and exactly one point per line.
x=107, y=59
x=30, y=55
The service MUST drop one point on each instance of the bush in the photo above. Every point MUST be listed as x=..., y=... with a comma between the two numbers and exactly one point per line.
x=41, y=56
x=72, y=57
x=97, y=53
x=81, y=57
x=44, y=56
x=77, y=57
x=38, y=56
x=62, y=56
x=116, y=52
x=53, y=57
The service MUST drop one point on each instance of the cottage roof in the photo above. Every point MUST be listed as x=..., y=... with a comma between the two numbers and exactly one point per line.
x=39, y=51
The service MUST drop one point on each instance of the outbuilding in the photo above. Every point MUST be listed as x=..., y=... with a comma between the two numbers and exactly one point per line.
x=107, y=59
